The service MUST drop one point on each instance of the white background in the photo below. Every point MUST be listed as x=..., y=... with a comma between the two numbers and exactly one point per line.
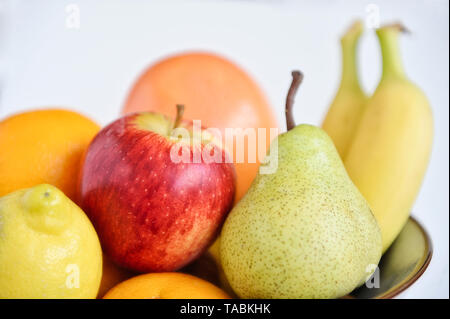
x=90, y=69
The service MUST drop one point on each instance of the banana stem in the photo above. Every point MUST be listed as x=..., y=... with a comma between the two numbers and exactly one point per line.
x=349, y=43
x=297, y=78
x=390, y=51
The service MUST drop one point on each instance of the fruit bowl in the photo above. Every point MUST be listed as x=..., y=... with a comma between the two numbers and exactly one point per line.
x=404, y=262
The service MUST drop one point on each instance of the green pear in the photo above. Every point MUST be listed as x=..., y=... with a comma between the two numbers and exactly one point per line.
x=304, y=231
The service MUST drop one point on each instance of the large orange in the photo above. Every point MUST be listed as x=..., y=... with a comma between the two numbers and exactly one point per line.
x=170, y=285
x=213, y=90
x=43, y=146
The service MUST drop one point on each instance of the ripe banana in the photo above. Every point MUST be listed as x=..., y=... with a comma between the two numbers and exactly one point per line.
x=346, y=109
x=389, y=154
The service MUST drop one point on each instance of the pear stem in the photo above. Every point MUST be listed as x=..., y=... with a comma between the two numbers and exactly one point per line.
x=297, y=78
x=180, y=111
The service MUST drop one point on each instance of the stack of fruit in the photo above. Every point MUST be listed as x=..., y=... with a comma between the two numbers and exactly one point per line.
x=83, y=209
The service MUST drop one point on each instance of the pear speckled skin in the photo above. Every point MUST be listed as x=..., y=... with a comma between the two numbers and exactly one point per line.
x=304, y=231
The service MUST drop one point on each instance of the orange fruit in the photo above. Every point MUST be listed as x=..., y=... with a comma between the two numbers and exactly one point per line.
x=213, y=90
x=111, y=276
x=169, y=285
x=43, y=146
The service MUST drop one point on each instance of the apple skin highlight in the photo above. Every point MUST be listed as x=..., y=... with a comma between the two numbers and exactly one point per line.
x=151, y=214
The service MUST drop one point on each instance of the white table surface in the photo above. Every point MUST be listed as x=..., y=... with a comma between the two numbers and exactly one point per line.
x=46, y=62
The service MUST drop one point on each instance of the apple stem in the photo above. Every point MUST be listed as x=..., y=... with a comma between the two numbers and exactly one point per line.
x=180, y=111
x=297, y=78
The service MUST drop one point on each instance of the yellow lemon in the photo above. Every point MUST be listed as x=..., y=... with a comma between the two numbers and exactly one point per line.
x=48, y=247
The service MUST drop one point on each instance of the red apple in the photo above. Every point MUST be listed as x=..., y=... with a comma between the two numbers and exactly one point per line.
x=151, y=212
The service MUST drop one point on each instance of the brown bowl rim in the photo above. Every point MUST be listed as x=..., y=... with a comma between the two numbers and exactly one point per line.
x=396, y=290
